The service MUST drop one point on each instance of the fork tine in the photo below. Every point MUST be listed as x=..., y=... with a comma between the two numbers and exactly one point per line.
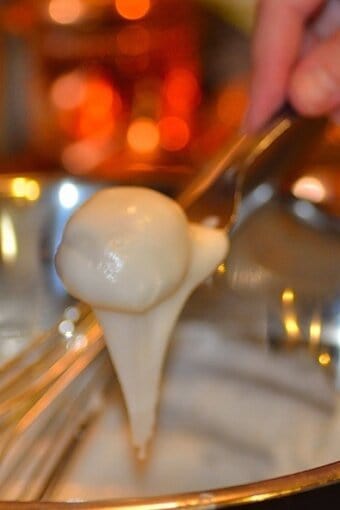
x=42, y=346
x=82, y=411
x=32, y=351
x=25, y=389
x=55, y=417
x=54, y=385
x=53, y=391
x=42, y=382
x=61, y=430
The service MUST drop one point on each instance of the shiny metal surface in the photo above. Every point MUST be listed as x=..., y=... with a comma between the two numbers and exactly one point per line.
x=33, y=211
x=222, y=183
x=252, y=493
x=254, y=300
x=46, y=393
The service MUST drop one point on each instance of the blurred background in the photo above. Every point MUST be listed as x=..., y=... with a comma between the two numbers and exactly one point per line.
x=115, y=88
x=125, y=89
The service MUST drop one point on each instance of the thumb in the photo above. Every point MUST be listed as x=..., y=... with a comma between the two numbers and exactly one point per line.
x=314, y=87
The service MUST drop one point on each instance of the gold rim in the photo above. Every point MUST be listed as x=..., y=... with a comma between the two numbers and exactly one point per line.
x=211, y=500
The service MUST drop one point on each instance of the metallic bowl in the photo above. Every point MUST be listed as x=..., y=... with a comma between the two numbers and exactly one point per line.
x=279, y=328
x=275, y=305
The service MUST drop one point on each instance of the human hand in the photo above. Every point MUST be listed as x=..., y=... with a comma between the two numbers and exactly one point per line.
x=296, y=58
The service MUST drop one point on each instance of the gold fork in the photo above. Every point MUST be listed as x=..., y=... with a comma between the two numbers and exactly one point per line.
x=219, y=187
x=46, y=394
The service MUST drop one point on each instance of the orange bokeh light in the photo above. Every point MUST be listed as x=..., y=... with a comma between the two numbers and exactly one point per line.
x=88, y=104
x=174, y=133
x=101, y=105
x=132, y=9
x=99, y=93
x=143, y=135
x=68, y=91
x=65, y=11
x=82, y=157
x=91, y=124
x=232, y=104
x=182, y=91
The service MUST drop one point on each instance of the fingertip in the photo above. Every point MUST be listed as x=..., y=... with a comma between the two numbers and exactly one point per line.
x=250, y=122
x=310, y=91
x=298, y=97
x=262, y=108
x=254, y=119
x=314, y=87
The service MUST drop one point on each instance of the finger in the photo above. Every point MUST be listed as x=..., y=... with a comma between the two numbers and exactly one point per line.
x=315, y=84
x=277, y=39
